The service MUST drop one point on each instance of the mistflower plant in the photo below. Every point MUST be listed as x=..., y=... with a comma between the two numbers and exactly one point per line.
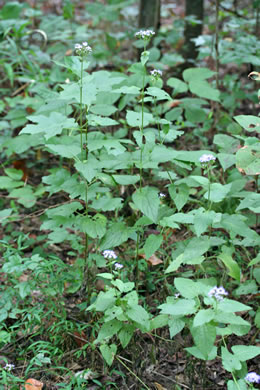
x=218, y=293
x=109, y=254
x=252, y=377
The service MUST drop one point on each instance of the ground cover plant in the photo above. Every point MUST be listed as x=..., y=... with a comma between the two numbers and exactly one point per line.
x=129, y=199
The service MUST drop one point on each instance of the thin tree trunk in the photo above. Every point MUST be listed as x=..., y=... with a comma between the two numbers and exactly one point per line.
x=195, y=8
x=149, y=14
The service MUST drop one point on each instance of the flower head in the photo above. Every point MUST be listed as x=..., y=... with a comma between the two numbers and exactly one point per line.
x=205, y=158
x=156, y=73
x=82, y=49
x=9, y=367
x=144, y=34
x=218, y=293
x=118, y=266
x=252, y=377
x=109, y=254
x=162, y=195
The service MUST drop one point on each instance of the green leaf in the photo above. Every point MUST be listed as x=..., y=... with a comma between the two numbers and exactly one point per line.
x=204, y=337
x=115, y=236
x=179, y=194
x=159, y=321
x=231, y=306
x=203, y=316
x=151, y=245
x=105, y=203
x=94, y=226
x=7, y=183
x=103, y=301
x=126, y=179
x=202, y=220
x=71, y=92
x=197, y=74
x=138, y=314
x=49, y=126
x=88, y=169
x=195, y=351
x=186, y=287
x=240, y=384
x=178, y=85
x=125, y=334
x=14, y=174
x=232, y=266
x=174, y=265
x=134, y=119
x=229, y=361
x=249, y=122
x=245, y=352
x=180, y=307
x=144, y=57
x=158, y=93
x=203, y=89
x=25, y=196
x=103, y=109
x=108, y=352
x=175, y=326
x=248, y=160
x=108, y=330
x=218, y=192
x=147, y=200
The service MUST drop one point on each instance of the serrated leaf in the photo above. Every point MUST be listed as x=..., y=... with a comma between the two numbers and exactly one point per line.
x=147, y=200
x=152, y=244
x=49, y=126
x=134, y=119
x=108, y=353
x=245, y=352
x=229, y=361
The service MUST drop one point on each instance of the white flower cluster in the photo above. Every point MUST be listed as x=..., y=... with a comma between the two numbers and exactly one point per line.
x=162, y=195
x=144, y=34
x=109, y=254
x=217, y=292
x=82, y=49
x=118, y=266
x=9, y=367
x=156, y=73
x=206, y=158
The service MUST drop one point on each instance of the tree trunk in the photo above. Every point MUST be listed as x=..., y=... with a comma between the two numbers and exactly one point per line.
x=149, y=14
x=192, y=7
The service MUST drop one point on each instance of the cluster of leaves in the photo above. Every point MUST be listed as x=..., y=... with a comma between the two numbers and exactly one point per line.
x=118, y=153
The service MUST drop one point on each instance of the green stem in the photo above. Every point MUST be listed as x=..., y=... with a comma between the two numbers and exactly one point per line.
x=136, y=262
x=123, y=364
x=142, y=134
x=81, y=106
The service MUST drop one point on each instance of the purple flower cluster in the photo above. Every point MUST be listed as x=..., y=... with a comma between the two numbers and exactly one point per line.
x=218, y=293
x=252, y=377
x=205, y=158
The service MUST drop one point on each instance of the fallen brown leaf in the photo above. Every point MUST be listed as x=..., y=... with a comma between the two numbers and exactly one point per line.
x=32, y=384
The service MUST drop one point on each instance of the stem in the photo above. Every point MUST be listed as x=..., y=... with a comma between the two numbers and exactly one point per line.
x=80, y=104
x=136, y=262
x=148, y=388
x=142, y=134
